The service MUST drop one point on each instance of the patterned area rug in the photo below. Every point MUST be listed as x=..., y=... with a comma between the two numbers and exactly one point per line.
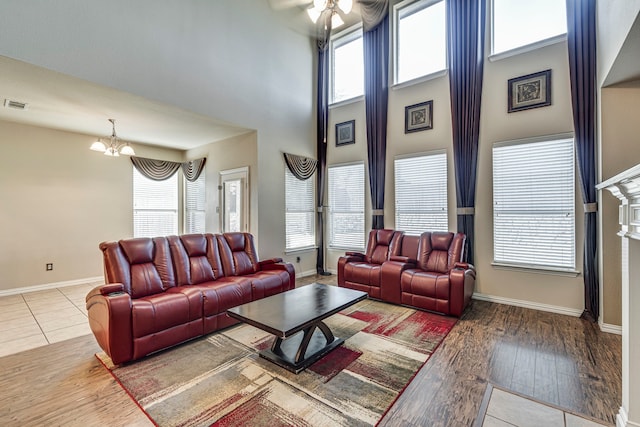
x=220, y=379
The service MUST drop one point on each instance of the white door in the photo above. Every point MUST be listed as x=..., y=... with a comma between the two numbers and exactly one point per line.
x=234, y=185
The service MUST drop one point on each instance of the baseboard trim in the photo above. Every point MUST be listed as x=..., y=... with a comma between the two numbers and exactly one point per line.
x=528, y=304
x=46, y=286
x=612, y=329
x=622, y=420
x=306, y=273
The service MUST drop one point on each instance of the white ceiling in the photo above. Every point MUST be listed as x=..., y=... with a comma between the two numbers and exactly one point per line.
x=67, y=103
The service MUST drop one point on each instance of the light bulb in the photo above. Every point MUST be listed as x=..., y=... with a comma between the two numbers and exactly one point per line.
x=98, y=146
x=127, y=150
x=336, y=21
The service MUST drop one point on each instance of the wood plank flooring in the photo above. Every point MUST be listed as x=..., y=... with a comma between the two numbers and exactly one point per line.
x=542, y=355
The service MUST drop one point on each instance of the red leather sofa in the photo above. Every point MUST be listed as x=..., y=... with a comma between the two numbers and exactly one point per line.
x=162, y=291
x=425, y=271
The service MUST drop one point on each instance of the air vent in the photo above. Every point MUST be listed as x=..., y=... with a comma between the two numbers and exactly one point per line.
x=16, y=105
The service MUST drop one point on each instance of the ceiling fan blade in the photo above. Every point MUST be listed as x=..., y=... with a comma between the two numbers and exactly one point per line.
x=284, y=4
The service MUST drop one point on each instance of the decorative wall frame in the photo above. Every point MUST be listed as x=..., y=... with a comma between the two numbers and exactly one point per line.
x=346, y=133
x=418, y=117
x=530, y=91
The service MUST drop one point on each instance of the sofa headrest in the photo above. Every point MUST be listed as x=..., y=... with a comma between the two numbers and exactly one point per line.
x=194, y=244
x=236, y=241
x=384, y=236
x=441, y=241
x=138, y=251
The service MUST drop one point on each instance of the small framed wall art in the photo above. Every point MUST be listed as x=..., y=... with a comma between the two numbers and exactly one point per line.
x=418, y=117
x=530, y=91
x=346, y=133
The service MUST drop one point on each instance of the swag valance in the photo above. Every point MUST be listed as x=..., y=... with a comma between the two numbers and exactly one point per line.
x=160, y=170
x=301, y=167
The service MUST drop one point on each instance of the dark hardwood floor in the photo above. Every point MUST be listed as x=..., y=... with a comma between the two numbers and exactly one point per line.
x=557, y=359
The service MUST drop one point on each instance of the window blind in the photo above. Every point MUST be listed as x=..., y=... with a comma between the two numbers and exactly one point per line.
x=300, y=220
x=346, y=206
x=195, y=205
x=155, y=206
x=421, y=193
x=534, y=204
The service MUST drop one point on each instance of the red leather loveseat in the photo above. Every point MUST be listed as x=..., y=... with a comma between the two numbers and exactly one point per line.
x=423, y=271
x=162, y=291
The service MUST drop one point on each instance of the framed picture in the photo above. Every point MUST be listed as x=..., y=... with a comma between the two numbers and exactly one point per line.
x=346, y=133
x=418, y=117
x=530, y=91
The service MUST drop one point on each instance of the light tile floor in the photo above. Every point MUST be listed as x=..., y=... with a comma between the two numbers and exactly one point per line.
x=39, y=318
x=508, y=410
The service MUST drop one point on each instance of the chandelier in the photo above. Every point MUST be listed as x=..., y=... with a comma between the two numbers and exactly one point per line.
x=330, y=6
x=114, y=146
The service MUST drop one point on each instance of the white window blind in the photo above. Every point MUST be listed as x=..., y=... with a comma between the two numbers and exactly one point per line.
x=195, y=205
x=416, y=22
x=346, y=206
x=421, y=193
x=347, y=66
x=300, y=218
x=517, y=23
x=155, y=206
x=533, y=204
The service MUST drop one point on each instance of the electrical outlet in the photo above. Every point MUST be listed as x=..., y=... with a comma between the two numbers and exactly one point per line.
x=298, y=259
x=49, y=266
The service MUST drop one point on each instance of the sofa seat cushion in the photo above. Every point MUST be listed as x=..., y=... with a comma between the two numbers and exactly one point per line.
x=269, y=282
x=156, y=313
x=224, y=293
x=363, y=273
x=426, y=289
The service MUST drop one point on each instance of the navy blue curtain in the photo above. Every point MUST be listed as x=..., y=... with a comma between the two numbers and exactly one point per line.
x=322, y=122
x=581, y=42
x=466, y=29
x=376, y=93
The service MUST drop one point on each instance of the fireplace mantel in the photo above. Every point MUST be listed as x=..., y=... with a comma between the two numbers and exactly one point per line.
x=626, y=187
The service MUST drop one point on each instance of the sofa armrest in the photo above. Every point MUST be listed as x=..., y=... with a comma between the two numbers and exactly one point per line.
x=354, y=254
x=390, y=277
x=269, y=261
x=282, y=266
x=109, y=313
x=405, y=259
x=462, y=281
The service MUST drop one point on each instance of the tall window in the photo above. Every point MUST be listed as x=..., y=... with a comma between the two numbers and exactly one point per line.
x=347, y=66
x=300, y=218
x=518, y=23
x=533, y=203
x=421, y=193
x=155, y=206
x=346, y=206
x=195, y=205
x=420, y=39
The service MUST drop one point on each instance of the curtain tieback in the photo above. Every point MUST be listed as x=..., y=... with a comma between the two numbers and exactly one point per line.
x=320, y=209
x=377, y=212
x=591, y=207
x=466, y=211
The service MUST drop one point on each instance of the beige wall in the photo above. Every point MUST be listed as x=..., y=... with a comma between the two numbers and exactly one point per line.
x=561, y=292
x=59, y=200
x=620, y=151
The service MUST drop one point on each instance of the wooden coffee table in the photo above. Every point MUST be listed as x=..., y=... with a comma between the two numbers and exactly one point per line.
x=296, y=319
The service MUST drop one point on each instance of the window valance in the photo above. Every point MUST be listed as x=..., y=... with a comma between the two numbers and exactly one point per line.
x=301, y=167
x=159, y=170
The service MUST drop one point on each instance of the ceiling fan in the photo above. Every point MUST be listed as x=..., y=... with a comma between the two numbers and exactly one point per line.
x=319, y=11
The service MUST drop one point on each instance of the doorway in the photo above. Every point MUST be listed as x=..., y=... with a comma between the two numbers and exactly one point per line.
x=234, y=185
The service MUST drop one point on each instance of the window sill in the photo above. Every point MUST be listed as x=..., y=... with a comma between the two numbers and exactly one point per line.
x=347, y=102
x=420, y=79
x=345, y=249
x=528, y=48
x=537, y=269
x=300, y=250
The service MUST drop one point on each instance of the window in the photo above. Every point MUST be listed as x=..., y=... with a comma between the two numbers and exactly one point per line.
x=518, y=23
x=300, y=218
x=195, y=205
x=346, y=206
x=533, y=204
x=420, y=39
x=347, y=66
x=421, y=193
x=155, y=206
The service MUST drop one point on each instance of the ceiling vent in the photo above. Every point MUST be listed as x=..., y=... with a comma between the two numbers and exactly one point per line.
x=16, y=105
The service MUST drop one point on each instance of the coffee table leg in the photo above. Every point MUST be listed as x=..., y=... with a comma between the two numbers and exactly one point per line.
x=308, y=333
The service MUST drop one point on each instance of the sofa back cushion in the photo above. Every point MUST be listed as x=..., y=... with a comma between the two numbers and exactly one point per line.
x=409, y=246
x=142, y=265
x=238, y=254
x=439, y=251
x=196, y=258
x=382, y=244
